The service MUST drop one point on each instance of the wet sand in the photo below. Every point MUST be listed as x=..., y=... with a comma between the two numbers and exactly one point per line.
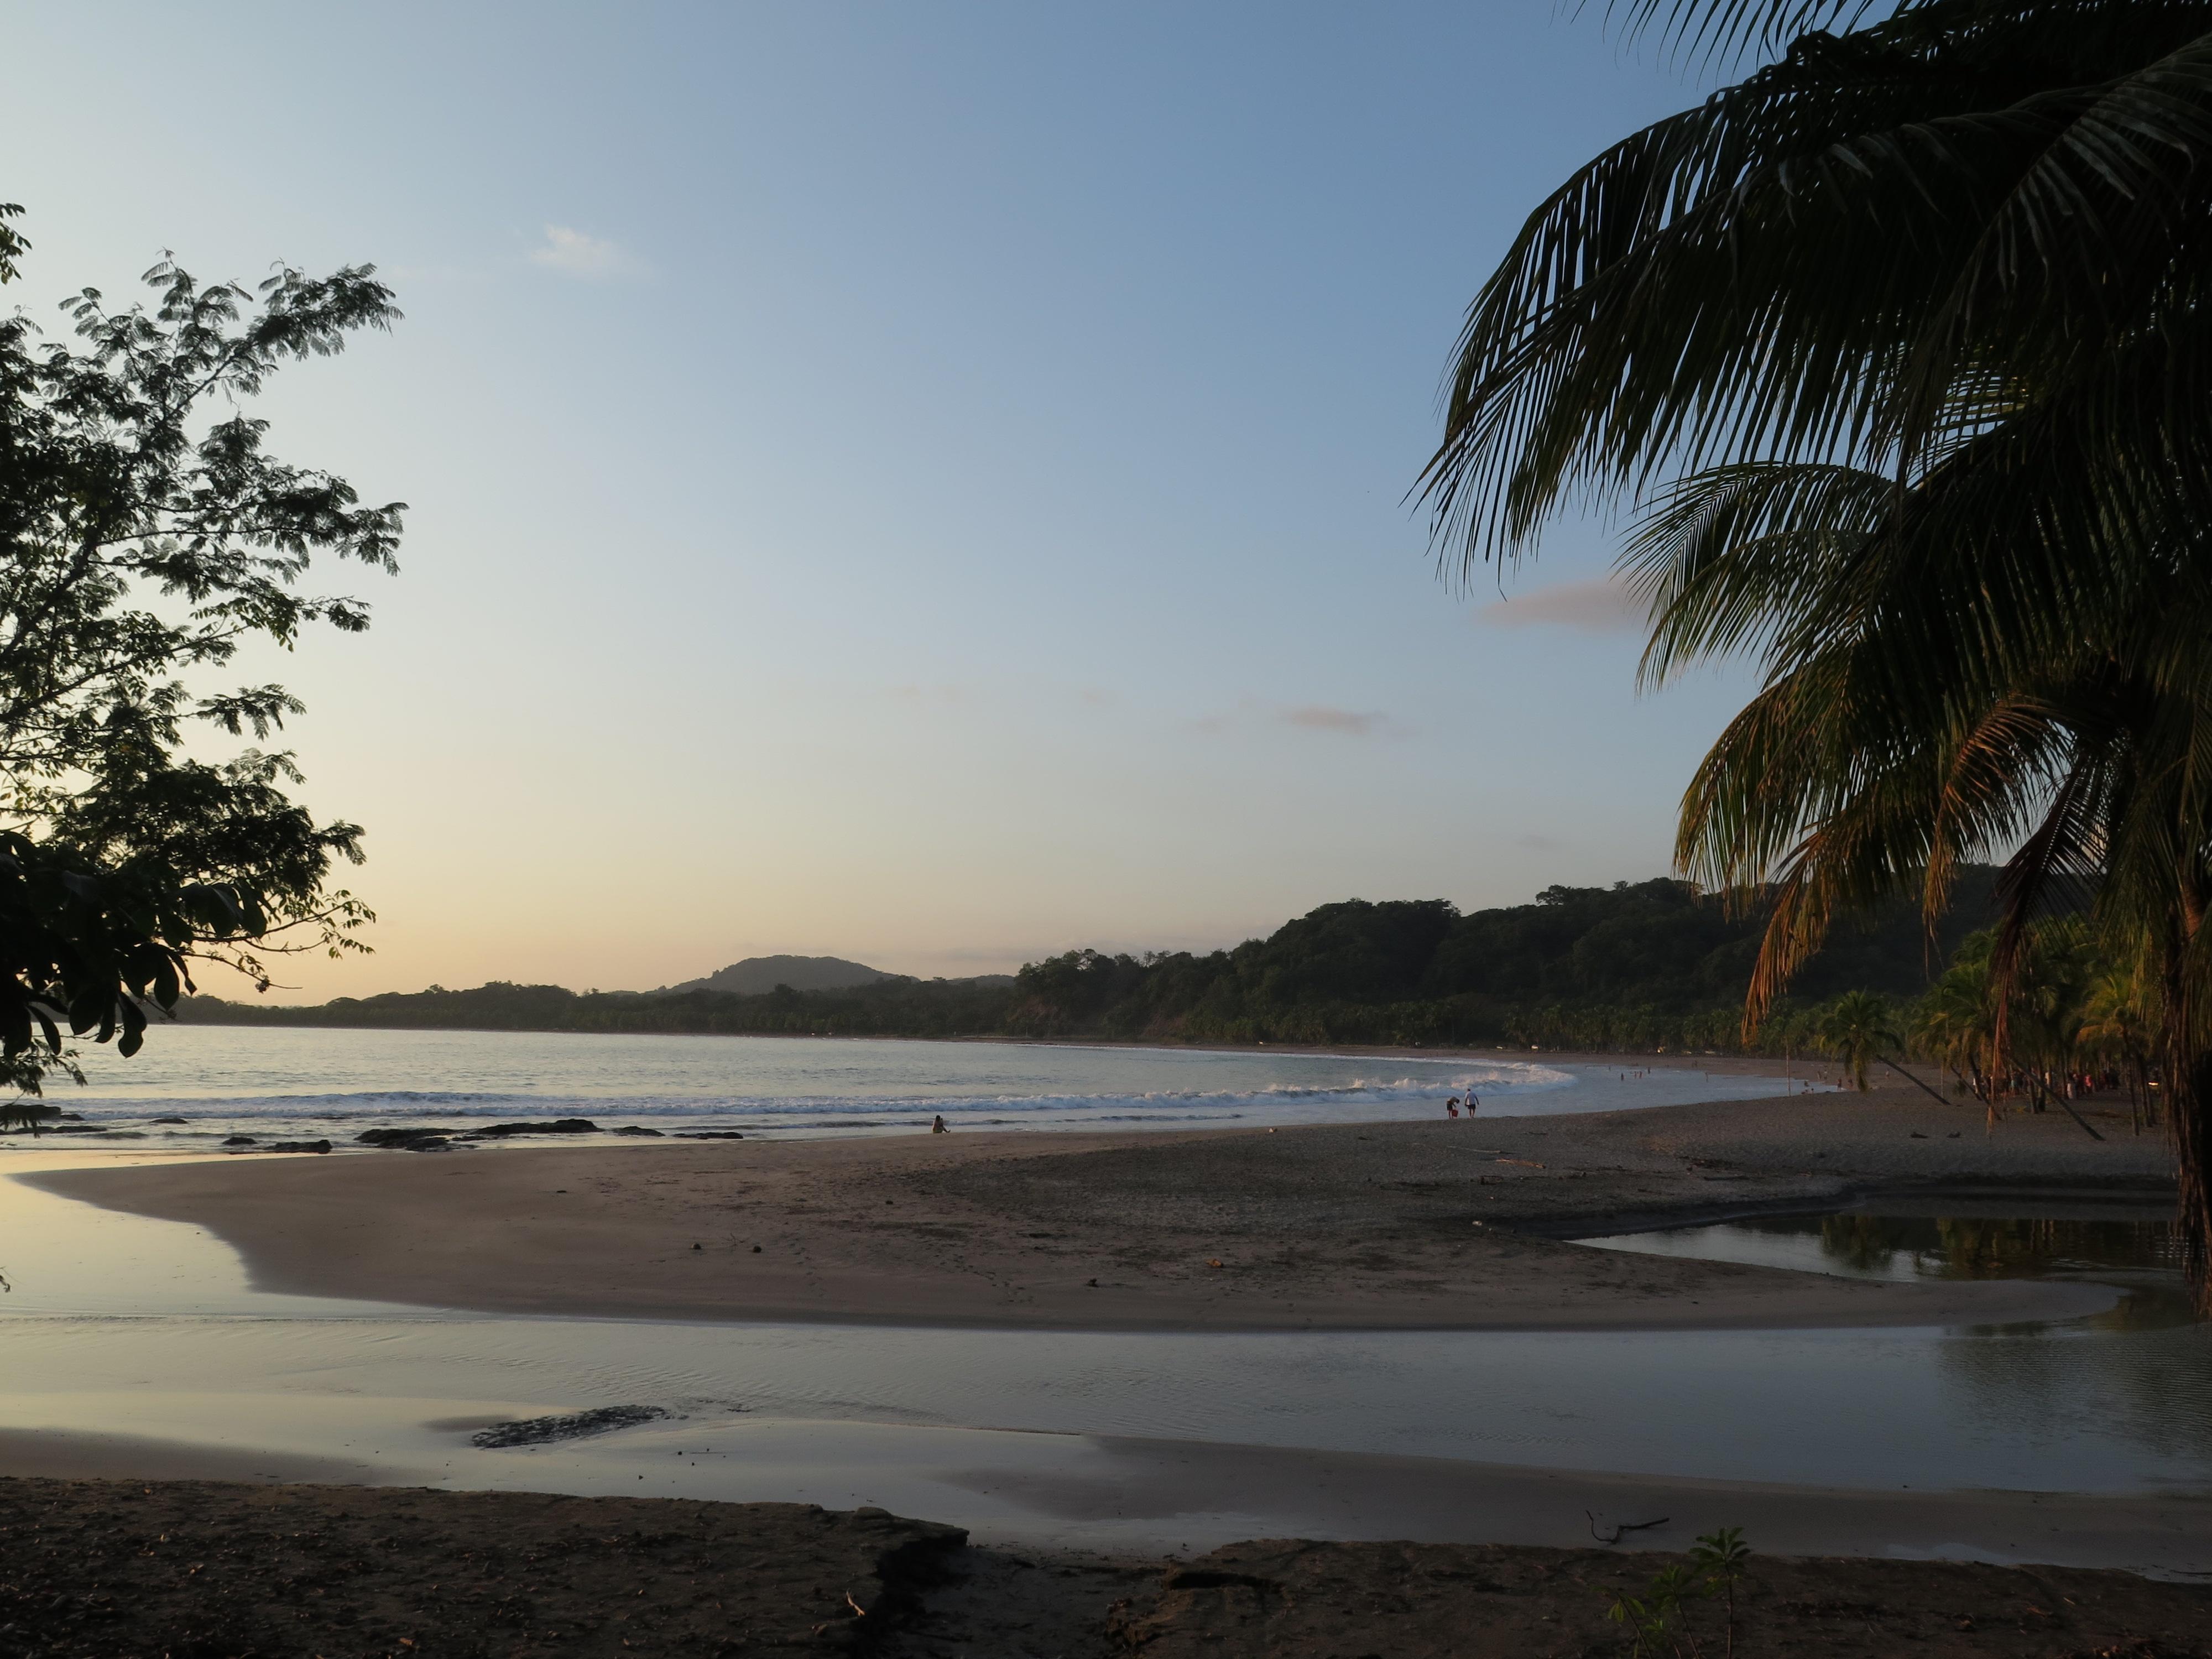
x=1128, y=1496
x=1431, y=1224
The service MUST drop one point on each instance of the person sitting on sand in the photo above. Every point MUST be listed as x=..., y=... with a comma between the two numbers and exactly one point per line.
x=938, y=1125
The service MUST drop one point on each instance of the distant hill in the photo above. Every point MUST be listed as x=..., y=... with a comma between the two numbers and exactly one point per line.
x=755, y=975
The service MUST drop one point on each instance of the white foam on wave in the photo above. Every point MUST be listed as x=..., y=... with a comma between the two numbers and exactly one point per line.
x=401, y=1103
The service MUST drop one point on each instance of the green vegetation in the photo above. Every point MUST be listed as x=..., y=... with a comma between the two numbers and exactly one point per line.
x=146, y=535
x=1648, y=966
x=1895, y=347
x=1658, y=1621
x=2062, y=1013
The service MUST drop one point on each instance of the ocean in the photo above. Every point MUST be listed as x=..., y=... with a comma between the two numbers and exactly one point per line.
x=295, y=1084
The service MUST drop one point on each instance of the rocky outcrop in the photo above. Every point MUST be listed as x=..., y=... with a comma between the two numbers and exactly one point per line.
x=561, y=1125
x=424, y=1138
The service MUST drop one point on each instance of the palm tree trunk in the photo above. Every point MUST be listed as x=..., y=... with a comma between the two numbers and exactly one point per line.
x=2188, y=1125
x=2189, y=1108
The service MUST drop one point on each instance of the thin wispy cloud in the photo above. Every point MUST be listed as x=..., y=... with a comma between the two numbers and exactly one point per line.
x=574, y=253
x=1346, y=722
x=1601, y=605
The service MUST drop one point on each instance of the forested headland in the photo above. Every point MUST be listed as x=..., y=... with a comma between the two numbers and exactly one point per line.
x=1644, y=966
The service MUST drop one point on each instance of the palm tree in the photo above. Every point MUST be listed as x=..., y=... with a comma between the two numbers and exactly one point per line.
x=2047, y=988
x=2119, y=1023
x=1857, y=1028
x=1900, y=343
x=1955, y=1023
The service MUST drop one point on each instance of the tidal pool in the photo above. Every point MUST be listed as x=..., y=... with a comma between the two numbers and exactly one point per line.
x=2130, y=1246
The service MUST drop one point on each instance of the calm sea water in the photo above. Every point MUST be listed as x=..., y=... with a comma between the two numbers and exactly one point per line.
x=308, y=1084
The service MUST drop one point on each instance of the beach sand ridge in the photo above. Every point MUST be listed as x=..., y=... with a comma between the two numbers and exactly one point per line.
x=1437, y=1225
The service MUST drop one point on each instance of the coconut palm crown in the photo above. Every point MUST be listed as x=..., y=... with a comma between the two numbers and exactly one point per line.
x=1897, y=347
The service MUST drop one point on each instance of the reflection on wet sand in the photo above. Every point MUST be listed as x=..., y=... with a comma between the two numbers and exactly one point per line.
x=1984, y=1247
x=2141, y=1371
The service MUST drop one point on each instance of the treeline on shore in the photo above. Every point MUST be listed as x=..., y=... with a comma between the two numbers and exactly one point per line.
x=1653, y=966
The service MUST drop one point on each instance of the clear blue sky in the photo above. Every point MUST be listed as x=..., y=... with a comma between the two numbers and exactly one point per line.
x=919, y=482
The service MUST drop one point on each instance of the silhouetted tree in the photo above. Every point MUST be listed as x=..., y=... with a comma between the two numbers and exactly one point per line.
x=146, y=534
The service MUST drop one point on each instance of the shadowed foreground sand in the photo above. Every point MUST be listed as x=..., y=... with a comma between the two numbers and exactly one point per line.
x=93, y=1569
x=1433, y=1224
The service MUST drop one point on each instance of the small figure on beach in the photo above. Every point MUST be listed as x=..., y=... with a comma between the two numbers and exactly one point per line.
x=1451, y=1107
x=1473, y=1100
x=937, y=1126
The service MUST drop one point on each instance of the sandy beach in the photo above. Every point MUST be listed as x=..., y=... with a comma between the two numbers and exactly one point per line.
x=1356, y=1227
x=1433, y=1224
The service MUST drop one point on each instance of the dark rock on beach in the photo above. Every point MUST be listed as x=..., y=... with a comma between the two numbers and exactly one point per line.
x=299, y=1146
x=238, y=1140
x=168, y=1119
x=423, y=1140
x=638, y=1129
x=708, y=1134
x=564, y=1125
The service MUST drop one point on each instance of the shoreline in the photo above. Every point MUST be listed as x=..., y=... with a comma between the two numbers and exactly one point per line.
x=1735, y=1064
x=1031, y=1096
x=1421, y=1225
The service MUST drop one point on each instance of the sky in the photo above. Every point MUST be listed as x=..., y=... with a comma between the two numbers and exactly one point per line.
x=922, y=483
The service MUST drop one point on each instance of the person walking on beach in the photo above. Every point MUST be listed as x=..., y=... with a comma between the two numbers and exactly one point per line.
x=1473, y=1100
x=938, y=1126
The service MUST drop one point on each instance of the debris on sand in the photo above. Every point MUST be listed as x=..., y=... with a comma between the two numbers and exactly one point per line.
x=546, y=1431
